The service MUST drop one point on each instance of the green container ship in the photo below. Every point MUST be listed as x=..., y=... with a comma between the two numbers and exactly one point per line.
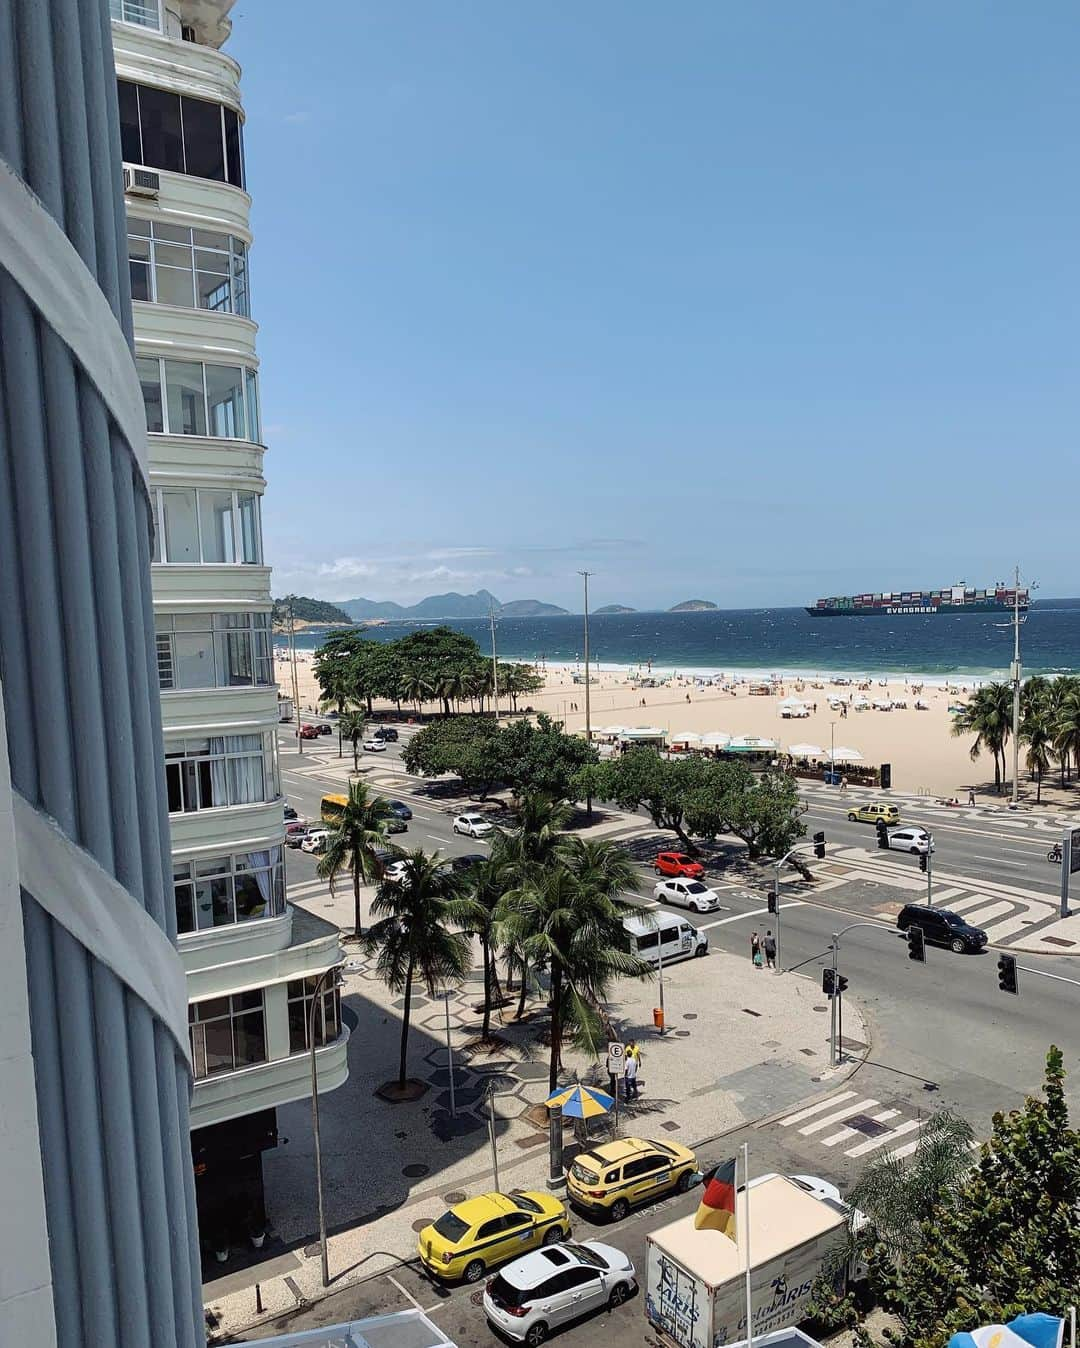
x=898, y=603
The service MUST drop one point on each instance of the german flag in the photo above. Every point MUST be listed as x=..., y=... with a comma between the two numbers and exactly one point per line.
x=716, y=1211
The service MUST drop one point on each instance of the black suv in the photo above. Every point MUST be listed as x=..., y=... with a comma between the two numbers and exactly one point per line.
x=386, y=732
x=941, y=927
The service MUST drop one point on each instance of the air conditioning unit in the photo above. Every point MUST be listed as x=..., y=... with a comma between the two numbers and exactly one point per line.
x=140, y=182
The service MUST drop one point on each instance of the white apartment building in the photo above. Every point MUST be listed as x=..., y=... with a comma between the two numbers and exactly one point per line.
x=252, y=961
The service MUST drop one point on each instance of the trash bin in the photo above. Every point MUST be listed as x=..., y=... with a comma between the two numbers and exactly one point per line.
x=658, y=1017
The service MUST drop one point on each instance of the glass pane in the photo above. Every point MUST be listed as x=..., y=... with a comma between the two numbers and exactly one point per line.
x=253, y=407
x=173, y=779
x=213, y=902
x=193, y=663
x=235, y=659
x=245, y=780
x=184, y=386
x=234, y=148
x=240, y=279
x=297, y=1025
x=213, y=866
x=225, y=394
x=130, y=142
x=191, y=622
x=253, y=891
x=206, y=260
x=138, y=247
x=140, y=281
x=185, y=908
x=172, y=233
x=215, y=514
x=156, y=554
x=172, y=254
x=150, y=379
x=251, y=551
x=252, y=1000
x=159, y=117
x=213, y=291
x=164, y=662
x=138, y=228
x=174, y=287
x=202, y=139
x=219, y=1048
x=250, y=1035
x=208, y=238
x=181, y=527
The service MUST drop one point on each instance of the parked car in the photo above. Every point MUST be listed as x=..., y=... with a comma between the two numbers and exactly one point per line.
x=467, y=862
x=913, y=840
x=687, y=894
x=386, y=732
x=308, y=732
x=295, y=834
x=678, y=864
x=394, y=870
x=476, y=1235
x=399, y=809
x=873, y=811
x=472, y=825
x=290, y=813
x=314, y=841
x=942, y=927
x=612, y=1177
x=373, y=747
x=324, y=728
x=396, y=825
x=556, y=1285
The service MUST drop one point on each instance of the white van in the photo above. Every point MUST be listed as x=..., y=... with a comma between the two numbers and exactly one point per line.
x=657, y=933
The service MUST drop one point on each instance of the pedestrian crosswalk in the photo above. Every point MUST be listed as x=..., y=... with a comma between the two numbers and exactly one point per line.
x=1000, y=917
x=855, y=1125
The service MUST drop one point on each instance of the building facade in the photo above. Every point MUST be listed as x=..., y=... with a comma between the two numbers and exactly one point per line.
x=252, y=961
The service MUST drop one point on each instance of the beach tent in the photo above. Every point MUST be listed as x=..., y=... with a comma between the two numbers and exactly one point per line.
x=684, y=737
x=805, y=750
x=640, y=733
x=716, y=739
x=842, y=755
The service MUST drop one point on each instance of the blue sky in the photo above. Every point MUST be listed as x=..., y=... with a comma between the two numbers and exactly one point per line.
x=752, y=302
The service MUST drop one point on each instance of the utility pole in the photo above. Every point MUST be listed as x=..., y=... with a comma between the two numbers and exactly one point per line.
x=295, y=694
x=1015, y=672
x=588, y=719
x=494, y=663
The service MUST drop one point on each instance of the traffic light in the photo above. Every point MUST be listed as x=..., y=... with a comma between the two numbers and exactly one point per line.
x=924, y=861
x=1007, y=980
x=827, y=982
x=916, y=944
x=841, y=983
x=772, y=900
x=819, y=846
x=882, y=835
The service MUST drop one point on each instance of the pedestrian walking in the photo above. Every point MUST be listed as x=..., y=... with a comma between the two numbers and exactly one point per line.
x=633, y=1050
x=843, y=785
x=971, y=795
x=769, y=946
x=630, y=1076
x=755, y=948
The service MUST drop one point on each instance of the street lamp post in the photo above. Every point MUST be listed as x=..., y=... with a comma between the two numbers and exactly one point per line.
x=316, y=1002
x=800, y=847
x=588, y=717
x=1015, y=674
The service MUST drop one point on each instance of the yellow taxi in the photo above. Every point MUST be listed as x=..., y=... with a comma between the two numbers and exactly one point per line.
x=614, y=1177
x=473, y=1236
x=876, y=811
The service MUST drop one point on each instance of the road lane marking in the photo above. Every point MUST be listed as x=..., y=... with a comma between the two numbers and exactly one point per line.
x=754, y=912
x=837, y=1117
x=876, y=1142
x=981, y=916
x=997, y=861
x=404, y=1292
x=848, y=1134
x=815, y=1109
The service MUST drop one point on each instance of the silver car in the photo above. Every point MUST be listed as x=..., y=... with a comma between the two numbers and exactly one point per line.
x=550, y=1287
x=472, y=825
x=687, y=894
x=913, y=840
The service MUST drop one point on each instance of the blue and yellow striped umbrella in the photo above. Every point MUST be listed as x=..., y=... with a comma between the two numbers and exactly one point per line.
x=581, y=1102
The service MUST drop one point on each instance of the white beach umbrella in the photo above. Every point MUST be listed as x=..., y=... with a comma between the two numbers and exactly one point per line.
x=805, y=750
x=843, y=755
x=684, y=737
x=717, y=739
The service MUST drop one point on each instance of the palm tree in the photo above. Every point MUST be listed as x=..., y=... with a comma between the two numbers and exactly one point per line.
x=567, y=919
x=898, y=1196
x=351, y=725
x=452, y=687
x=355, y=843
x=988, y=716
x=415, y=688
x=486, y=889
x=1037, y=732
x=1067, y=729
x=413, y=936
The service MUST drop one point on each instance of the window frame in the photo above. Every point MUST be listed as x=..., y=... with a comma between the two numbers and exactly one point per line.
x=161, y=532
x=299, y=992
x=252, y=625
x=234, y=1012
x=185, y=889
x=249, y=396
x=191, y=768
x=234, y=165
x=126, y=5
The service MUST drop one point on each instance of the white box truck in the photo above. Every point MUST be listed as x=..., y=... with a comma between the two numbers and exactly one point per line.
x=695, y=1281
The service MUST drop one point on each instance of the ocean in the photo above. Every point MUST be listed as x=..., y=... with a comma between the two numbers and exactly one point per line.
x=781, y=640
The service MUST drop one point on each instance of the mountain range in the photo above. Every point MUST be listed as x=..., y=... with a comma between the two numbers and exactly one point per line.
x=451, y=605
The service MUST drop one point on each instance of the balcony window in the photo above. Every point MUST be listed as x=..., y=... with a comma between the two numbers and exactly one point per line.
x=219, y=771
x=144, y=13
x=327, y=1014
x=199, y=399
x=163, y=130
x=227, y=890
x=213, y=650
x=227, y=1033
x=194, y=268
x=202, y=525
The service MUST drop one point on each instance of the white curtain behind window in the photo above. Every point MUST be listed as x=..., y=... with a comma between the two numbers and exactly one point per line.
x=246, y=777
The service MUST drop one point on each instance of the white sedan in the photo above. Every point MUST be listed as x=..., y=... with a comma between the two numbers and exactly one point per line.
x=315, y=841
x=687, y=894
x=374, y=746
x=472, y=825
x=555, y=1285
x=913, y=840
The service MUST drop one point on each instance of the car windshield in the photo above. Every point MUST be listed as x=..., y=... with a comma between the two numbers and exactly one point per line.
x=451, y=1227
x=587, y=1256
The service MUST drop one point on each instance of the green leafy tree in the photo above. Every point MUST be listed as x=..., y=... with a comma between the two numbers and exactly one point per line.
x=414, y=687
x=437, y=654
x=541, y=760
x=355, y=842
x=761, y=809
x=567, y=919
x=1067, y=724
x=484, y=886
x=988, y=716
x=1008, y=1240
x=334, y=667
x=351, y=726
x=642, y=777
x=517, y=680
x=465, y=745
x=1037, y=733
x=419, y=933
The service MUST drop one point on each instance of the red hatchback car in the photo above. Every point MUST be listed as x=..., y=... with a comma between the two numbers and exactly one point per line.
x=308, y=732
x=678, y=863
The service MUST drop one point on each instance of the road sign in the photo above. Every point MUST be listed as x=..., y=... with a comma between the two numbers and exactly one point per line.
x=616, y=1058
